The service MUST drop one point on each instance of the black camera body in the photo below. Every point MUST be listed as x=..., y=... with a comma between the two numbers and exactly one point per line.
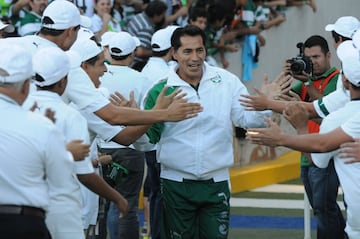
x=301, y=62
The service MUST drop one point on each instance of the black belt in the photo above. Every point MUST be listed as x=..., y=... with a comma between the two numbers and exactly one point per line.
x=22, y=210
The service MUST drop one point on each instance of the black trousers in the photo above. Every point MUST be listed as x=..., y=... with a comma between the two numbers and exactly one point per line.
x=23, y=227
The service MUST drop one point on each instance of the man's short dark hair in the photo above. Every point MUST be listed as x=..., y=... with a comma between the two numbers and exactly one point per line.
x=188, y=30
x=155, y=8
x=317, y=40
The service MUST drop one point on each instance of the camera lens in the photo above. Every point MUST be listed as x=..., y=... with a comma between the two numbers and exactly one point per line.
x=297, y=67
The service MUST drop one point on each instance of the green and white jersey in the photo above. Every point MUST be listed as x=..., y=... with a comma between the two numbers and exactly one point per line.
x=30, y=24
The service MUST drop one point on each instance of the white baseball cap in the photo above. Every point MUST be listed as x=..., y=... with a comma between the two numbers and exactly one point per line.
x=350, y=59
x=15, y=63
x=344, y=26
x=347, y=49
x=105, y=38
x=52, y=64
x=84, y=33
x=62, y=14
x=6, y=27
x=123, y=44
x=86, y=49
x=161, y=40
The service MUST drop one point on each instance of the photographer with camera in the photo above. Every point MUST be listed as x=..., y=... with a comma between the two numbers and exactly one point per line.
x=316, y=79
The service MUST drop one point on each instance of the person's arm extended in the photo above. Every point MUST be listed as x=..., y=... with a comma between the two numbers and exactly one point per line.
x=98, y=185
x=131, y=133
x=130, y=116
x=320, y=143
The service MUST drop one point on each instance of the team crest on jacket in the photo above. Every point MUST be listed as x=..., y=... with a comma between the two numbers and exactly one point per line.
x=215, y=79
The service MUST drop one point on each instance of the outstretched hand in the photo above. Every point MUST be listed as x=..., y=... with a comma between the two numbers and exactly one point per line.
x=163, y=101
x=269, y=91
x=119, y=100
x=281, y=85
x=271, y=136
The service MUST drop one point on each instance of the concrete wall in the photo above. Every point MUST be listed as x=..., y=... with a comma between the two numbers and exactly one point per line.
x=301, y=22
x=281, y=42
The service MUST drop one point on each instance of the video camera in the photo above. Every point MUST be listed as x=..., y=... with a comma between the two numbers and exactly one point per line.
x=301, y=62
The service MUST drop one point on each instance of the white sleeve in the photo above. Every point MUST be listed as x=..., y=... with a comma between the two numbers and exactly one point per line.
x=81, y=91
x=331, y=102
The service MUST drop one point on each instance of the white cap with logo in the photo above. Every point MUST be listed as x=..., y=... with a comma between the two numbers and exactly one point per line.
x=15, y=63
x=345, y=26
x=52, y=64
x=123, y=44
x=350, y=59
x=62, y=14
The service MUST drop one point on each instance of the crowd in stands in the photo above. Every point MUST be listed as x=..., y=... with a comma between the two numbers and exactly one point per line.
x=223, y=22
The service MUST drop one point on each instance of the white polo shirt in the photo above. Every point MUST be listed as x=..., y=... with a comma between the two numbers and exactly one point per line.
x=35, y=165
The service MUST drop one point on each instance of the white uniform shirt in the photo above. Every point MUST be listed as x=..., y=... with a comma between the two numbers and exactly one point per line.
x=349, y=174
x=68, y=120
x=35, y=164
x=81, y=91
x=200, y=148
x=124, y=80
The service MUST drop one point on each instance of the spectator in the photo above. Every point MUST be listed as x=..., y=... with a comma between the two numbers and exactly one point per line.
x=31, y=22
x=198, y=17
x=143, y=26
x=103, y=20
